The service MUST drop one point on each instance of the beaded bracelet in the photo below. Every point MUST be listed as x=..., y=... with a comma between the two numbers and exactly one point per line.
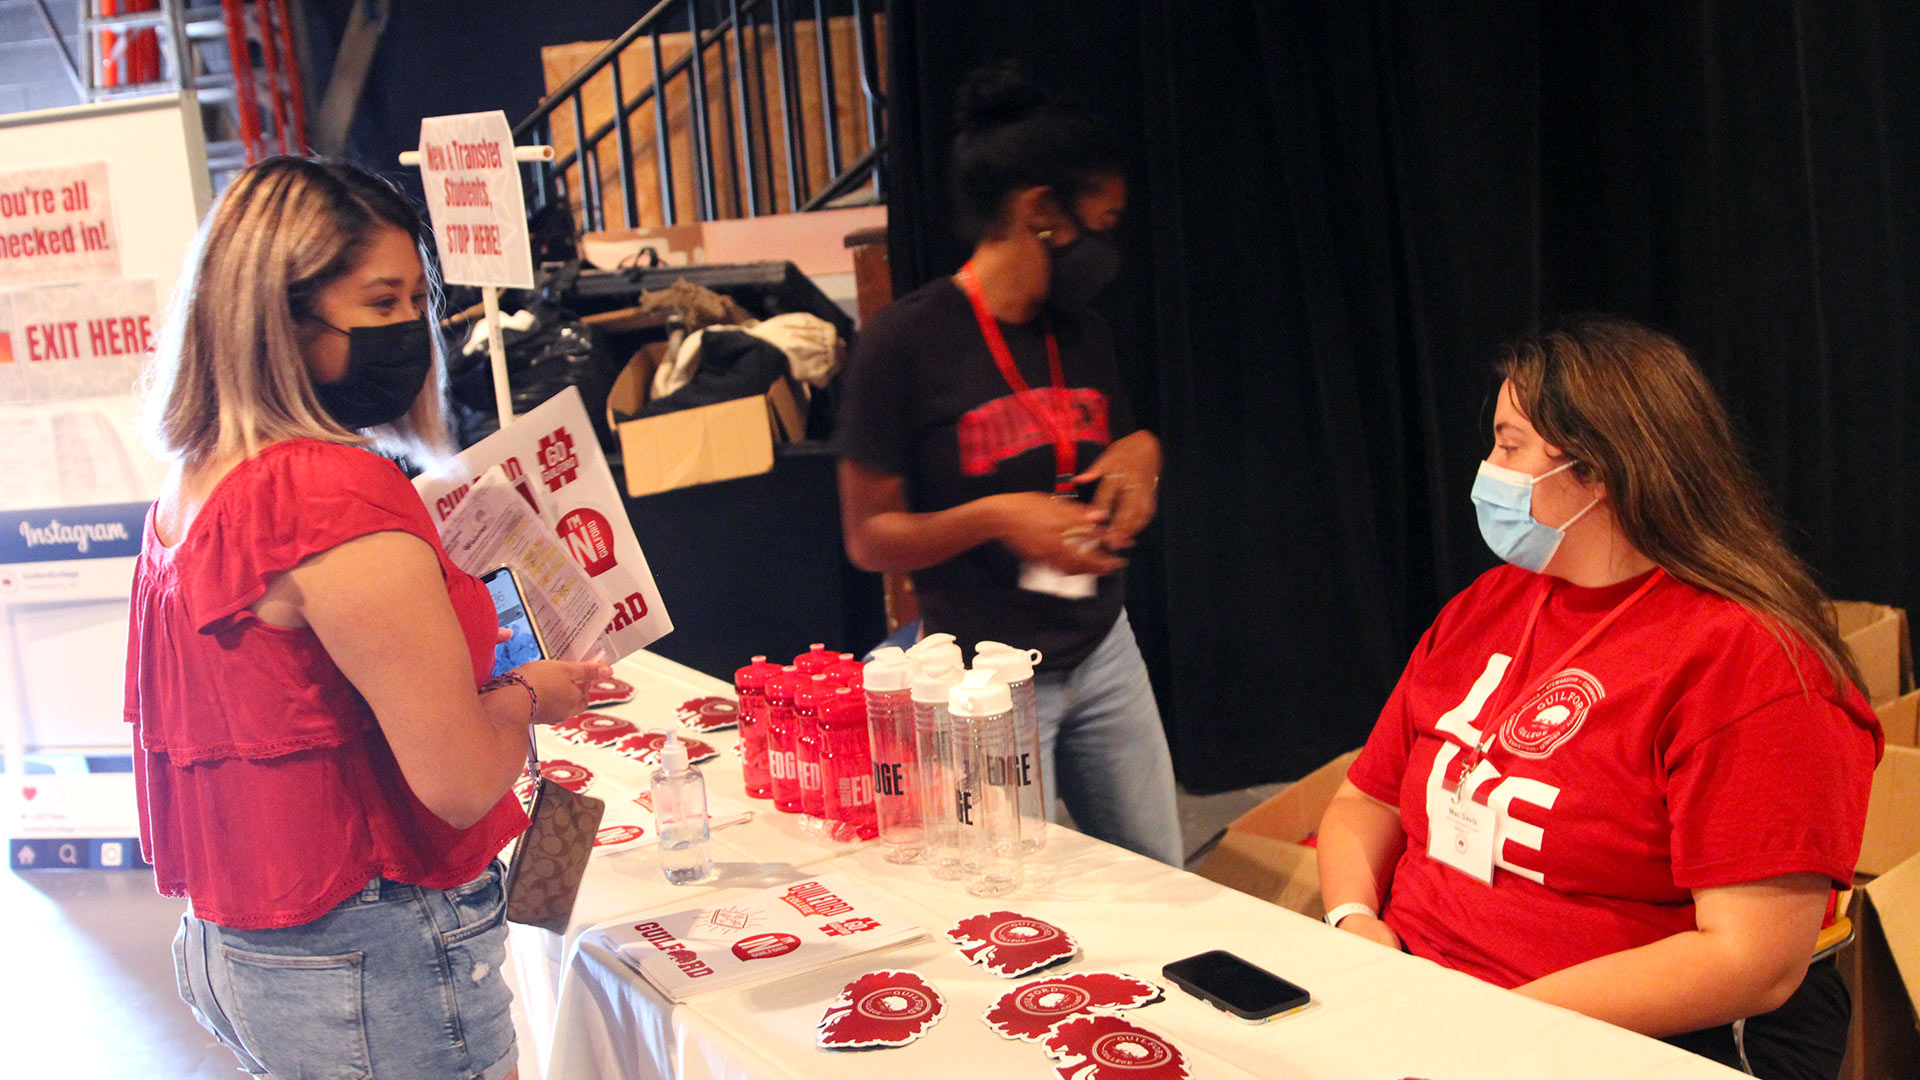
x=501, y=682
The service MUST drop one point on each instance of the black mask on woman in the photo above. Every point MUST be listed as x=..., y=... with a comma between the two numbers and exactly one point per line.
x=386, y=367
x=1081, y=268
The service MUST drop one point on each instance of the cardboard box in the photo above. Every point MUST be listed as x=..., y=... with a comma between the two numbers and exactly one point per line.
x=1893, y=813
x=1262, y=853
x=1881, y=968
x=699, y=446
x=1900, y=719
x=1882, y=965
x=1877, y=636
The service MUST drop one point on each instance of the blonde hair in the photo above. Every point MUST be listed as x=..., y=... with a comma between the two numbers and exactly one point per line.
x=1635, y=413
x=228, y=375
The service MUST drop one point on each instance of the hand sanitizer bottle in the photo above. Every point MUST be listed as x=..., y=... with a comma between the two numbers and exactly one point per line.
x=680, y=813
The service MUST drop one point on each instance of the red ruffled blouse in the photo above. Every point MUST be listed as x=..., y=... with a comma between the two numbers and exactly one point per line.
x=268, y=792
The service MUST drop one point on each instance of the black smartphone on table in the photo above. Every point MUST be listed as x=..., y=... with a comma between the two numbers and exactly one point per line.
x=1229, y=983
x=511, y=607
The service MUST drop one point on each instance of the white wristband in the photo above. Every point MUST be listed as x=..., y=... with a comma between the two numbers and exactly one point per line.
x=1344, y=910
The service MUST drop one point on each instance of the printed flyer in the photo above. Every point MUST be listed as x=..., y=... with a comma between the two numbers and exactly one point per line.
x=552, y=457
x=745, y=937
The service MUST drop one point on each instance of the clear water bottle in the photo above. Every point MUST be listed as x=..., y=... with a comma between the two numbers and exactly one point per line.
x=986, y=793
x=888, y=680
x=680, y=813
x=933, y=748
x=1016, y=670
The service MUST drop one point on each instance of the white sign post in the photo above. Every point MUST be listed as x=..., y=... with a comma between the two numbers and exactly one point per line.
x=471, y=171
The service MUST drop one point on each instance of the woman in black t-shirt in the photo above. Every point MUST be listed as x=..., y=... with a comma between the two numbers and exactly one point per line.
x=976, y=407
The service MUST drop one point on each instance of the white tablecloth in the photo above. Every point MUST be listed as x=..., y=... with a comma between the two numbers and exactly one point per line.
x=1376, y=1013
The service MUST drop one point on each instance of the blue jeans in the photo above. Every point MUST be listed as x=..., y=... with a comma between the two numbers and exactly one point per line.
x=1104, y=753
x=395, y=981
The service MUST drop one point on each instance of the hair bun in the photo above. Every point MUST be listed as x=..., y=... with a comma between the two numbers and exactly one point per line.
x=996, y=95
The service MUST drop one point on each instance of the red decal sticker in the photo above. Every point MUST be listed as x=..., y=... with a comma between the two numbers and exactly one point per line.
x=881, y=1008
x=589, y=539
x=765, y=946
x=645, y=748
x=1100, y=1046
x=574, y=778
x=618, y=834
x=598, y=729
x=1032, y=1009
x=559, y=466
x=1011, y=945
x=609, y=692
x=710, y=713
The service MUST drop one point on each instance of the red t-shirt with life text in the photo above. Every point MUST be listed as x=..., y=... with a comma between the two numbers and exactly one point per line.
x=1679, y=750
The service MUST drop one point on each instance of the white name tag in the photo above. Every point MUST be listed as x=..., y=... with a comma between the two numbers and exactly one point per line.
x=1463, y=838
x=1041, y=578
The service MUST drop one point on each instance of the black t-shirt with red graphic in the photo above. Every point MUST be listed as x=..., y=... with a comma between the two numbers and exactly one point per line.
x=924, y=400
x=1679, y=750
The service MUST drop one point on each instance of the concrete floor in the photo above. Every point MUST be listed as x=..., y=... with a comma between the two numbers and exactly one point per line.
x=89, y=992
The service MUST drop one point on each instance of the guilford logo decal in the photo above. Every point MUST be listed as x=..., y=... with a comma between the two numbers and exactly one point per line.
x=79, y=537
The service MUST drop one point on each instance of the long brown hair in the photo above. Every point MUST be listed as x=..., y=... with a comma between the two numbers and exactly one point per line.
x=228, y=376
x=1635, y=412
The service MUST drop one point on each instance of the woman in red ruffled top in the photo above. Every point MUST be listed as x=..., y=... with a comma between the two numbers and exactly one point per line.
x=324, y=768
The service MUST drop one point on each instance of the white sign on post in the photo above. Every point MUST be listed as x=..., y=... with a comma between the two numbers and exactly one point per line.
x=474, y=196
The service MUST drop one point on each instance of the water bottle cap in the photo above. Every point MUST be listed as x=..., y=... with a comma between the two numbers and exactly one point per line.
x=809, y=691
x=980, y=693
x=934, y=679
x=988, y=648
x=1014, y=665
x=817, y=658
x=751, y=677
x=931, y=642
x=673, y=754
x=780, y=687
x=890, y=669
x=846, y=706
x=938, y=653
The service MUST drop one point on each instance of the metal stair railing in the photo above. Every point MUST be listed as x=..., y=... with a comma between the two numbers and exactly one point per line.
x=735, y=28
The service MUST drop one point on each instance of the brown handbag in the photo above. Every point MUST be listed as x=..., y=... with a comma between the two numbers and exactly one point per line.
x=550, y=858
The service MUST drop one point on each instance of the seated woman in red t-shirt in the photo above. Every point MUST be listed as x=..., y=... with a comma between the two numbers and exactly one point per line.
x=1665, y=756
x=324, y=768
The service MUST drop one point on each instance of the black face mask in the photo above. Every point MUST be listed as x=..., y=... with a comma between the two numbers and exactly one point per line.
x=1081, y=268
x=386, y=367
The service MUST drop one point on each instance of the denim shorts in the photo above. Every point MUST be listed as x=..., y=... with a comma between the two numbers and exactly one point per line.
x=396, y=981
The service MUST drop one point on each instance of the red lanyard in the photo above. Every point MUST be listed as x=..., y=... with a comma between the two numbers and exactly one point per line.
x=1518, y=701
x=1065, y=454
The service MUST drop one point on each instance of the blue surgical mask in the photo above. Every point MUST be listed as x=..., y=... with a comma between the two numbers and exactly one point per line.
x=1503, y=501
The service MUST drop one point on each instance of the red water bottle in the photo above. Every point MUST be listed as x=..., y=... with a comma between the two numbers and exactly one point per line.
x=850, y=671
x=847, y=759
x=782, y=758
x=808, y=696
x=750, y=683
x=816, y=660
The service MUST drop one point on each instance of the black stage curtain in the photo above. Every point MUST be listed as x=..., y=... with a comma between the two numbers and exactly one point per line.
x=1341, y=208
